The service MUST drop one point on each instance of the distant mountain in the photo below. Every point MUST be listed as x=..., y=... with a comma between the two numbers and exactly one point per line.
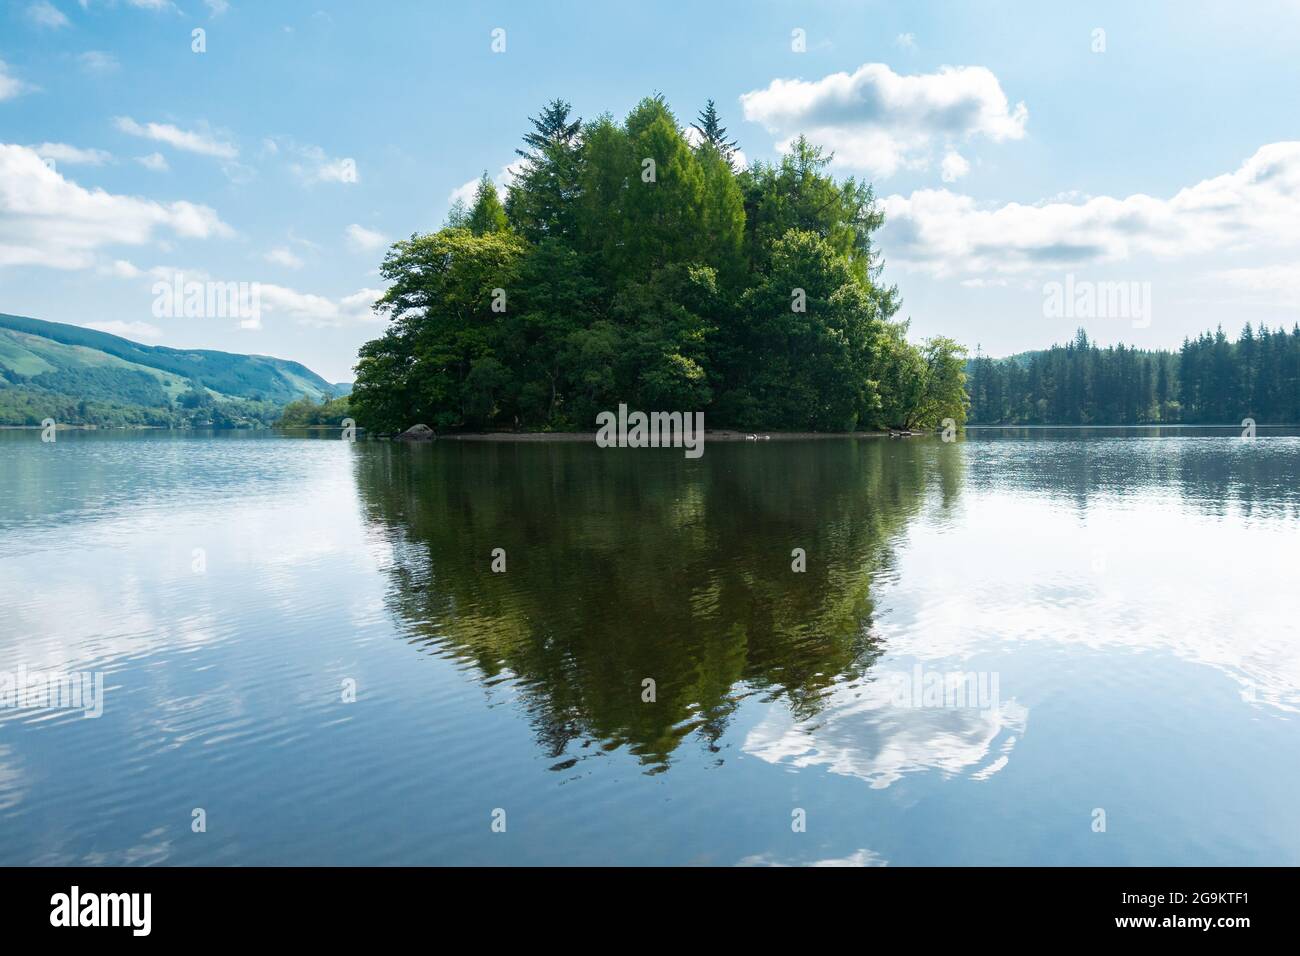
x=77, y=375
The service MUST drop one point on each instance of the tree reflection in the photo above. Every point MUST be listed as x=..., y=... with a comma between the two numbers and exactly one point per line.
x=627, y=565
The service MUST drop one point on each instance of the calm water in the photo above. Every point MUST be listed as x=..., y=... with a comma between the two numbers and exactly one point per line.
x=1120, y=607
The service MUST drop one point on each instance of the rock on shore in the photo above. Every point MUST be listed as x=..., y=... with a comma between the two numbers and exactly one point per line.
x=419, y=432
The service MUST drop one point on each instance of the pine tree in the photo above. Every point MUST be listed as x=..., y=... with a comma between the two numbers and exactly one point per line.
x=552, y=128
x=713, y=132
x=541, y=200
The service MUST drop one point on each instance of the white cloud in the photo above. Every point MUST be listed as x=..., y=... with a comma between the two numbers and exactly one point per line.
x=905, y=41
x=304, y=308
x=11, y=86
x=45, y=14
x=128, y=330
x=954, y=167
x=337, y=171
x=121, y=269
x=317, y=310
x=217, y=7
x=363, y=239
x=154, y=162
x=944, y=233
x=879, y=121
x=191, y=141
x=72, y=155
x=51, y=221
x=282, y=256
x=97, y=61
x=464, y=193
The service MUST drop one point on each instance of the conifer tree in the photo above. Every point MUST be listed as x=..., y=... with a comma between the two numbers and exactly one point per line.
x=713, y=132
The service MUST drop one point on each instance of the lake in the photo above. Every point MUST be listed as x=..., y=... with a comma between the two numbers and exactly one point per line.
x=1024, y=647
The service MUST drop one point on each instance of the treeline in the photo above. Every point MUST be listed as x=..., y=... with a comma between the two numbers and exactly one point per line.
x=1211, y=380
x=628, y=265
x=23, y=403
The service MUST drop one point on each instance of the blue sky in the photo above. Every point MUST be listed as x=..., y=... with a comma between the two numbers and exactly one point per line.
x=1008, y=150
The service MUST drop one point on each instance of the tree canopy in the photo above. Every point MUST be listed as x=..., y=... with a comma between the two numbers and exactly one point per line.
x=628, y=266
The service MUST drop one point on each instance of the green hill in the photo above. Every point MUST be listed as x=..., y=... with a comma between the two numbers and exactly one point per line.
x=77, y=375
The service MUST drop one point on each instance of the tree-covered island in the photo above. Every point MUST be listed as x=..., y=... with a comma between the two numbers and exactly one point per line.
x=635, y=262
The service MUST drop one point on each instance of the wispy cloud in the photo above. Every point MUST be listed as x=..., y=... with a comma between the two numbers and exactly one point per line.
x=72, y=155
x=363, y=239
x=316, y=167
x=283, y=256
x=202, y=142
x=45, y=14
x=97, y=61
x=10, y=85
x=310, y=164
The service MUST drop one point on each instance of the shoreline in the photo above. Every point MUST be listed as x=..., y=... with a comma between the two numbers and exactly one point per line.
x=719, y=435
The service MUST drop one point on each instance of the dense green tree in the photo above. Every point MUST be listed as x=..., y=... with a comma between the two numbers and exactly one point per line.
x=796, y=193
x=487, y=214
x=943, y=394
x=557, y=300
x=812, y=340
x=722, y=217
x=445, y=311
x=628, y=266
x=663, y=204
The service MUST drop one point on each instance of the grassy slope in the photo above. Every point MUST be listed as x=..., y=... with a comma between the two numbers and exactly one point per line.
x=48, y=368
x=222, y=373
